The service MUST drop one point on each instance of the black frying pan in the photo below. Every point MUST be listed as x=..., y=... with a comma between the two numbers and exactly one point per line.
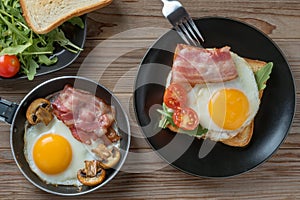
x=15, y=115
x=271, y=124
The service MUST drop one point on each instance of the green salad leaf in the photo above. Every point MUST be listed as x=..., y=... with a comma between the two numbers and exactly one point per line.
x=166, y=117
x=263, y=75
x=196, y=132
x=32, y=49
x=76, y=21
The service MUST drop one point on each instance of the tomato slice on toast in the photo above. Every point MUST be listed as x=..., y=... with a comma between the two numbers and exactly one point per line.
x=175, y=96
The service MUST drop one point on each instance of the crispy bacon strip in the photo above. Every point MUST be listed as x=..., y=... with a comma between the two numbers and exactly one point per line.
x=197, y=65
x=87, y=116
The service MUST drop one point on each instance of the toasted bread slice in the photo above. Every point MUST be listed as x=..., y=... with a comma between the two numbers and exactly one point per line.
x=42, y=16
x=242, y=138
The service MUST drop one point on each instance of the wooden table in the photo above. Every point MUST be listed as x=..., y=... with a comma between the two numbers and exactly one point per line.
x=124, y=23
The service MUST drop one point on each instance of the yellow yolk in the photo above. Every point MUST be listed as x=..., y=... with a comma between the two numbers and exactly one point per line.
x=52, y=153
x=229, y=108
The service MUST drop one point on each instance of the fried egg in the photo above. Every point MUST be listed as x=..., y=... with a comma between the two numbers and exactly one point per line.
x=226, y=108
x=54, y=154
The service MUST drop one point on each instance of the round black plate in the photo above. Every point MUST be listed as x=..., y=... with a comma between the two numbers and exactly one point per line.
x=77, y=36
x=204, y=157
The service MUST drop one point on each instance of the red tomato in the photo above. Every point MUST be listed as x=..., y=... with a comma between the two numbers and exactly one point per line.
x=9, y=66
x=175, y=96
x=186, y=118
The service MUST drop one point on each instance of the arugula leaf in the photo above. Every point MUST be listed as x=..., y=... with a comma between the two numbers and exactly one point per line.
x=166, y=117
x=14, y=50
x=32, y=69
x=13, y=28
x=76, y=21
x=263, y=75
x=43, y=59
x=196, y=132
x=58, y=36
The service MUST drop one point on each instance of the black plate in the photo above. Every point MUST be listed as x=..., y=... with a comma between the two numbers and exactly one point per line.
x=217, y=160
x=77, y=36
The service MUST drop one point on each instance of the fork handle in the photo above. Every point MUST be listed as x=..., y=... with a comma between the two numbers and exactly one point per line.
x=169, y=7
x=167, y=0
x=173, y=3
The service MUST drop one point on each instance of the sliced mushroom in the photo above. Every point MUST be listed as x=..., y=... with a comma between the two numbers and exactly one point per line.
x=92, y=174
x=112, y=135
x=109, y=157
x=39, y=110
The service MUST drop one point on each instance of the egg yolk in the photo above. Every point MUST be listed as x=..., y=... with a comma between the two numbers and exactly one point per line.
x=52, y=153
x=229, y=108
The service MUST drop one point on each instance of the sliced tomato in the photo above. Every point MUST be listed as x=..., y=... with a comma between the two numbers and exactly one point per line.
x=175, y=96
x=186, y=118
x=9, y=66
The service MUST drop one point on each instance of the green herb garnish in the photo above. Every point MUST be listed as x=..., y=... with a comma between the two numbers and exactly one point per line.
x=166, y=118
x=263, y=75
x=196, y=132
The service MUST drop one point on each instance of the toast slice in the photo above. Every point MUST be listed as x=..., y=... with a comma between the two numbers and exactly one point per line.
x=244, y=137
x=42, y=16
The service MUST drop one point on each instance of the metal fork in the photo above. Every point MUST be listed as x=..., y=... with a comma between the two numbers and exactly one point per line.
x=182, y=22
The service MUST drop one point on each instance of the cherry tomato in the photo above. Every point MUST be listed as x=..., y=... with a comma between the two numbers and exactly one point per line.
x=175, y=96
x=185, y=118
x=9, y=66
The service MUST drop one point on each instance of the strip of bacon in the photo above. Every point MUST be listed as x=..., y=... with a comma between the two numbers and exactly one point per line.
x=88, y=117
x=198, y=65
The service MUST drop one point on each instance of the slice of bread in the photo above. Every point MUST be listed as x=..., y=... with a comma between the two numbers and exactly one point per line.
x=42, y=16
x=242, y=138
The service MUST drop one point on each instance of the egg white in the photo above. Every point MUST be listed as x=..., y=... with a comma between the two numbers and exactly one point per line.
x=79, y=152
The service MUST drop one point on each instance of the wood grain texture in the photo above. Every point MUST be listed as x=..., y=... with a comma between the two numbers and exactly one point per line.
x=117, y=40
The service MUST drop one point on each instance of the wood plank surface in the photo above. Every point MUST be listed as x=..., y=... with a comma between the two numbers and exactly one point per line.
x=118, y=36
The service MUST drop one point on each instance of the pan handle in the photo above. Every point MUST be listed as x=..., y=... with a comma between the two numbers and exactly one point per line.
x=7, y=110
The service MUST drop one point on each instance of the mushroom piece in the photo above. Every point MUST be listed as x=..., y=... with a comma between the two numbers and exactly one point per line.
x=92, y=174
x=109, y=157
x=39, y=110
x=112, y=135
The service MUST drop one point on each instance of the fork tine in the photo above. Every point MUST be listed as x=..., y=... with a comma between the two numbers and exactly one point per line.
x=191, y=22
x=182, y=22
x=187, y=34
x=192, y=31
x=181, y=34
